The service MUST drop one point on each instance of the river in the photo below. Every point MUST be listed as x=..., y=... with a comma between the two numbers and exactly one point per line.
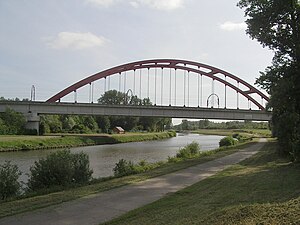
x=104, y=157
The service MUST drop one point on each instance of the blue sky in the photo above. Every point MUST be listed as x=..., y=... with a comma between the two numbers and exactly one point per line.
x=52, y=44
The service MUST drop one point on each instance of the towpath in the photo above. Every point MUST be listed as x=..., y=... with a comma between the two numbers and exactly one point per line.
x=104, y=206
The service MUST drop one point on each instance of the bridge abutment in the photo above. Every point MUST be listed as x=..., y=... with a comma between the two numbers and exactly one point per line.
x=33, y=122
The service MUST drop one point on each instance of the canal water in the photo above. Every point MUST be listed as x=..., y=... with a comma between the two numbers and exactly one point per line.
x=104, y=157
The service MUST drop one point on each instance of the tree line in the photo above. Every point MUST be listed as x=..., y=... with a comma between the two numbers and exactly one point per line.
x=12, y=122
x=206, y=124
x=276, y=25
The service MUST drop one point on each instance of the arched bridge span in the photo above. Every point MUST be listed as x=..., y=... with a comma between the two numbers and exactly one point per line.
x=199, y=68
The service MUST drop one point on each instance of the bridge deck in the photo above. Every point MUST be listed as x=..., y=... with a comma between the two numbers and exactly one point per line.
x=133, y=110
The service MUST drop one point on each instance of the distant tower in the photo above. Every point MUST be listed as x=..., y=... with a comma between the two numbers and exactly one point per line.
x=32, y=93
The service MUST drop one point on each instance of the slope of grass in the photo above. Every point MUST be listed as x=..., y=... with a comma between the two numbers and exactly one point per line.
x=16, y=143
x=264, y=189
x=228, y=132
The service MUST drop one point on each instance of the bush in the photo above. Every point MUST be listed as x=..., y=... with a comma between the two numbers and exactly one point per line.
x=237, y=136
x=123, y=168
x=189, y=151
x=61, y=168
x=9, y=185
x=227, y=141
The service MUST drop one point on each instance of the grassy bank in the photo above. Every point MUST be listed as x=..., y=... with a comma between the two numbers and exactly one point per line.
x=17, y=143
x=40, y=200
x=264, y=189
x=227, y=132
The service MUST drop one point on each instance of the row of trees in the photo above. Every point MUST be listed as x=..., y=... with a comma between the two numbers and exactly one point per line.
x=14, y=123
x=206, y=124
x=100, y=124
x=104, y=124
x=276, y=25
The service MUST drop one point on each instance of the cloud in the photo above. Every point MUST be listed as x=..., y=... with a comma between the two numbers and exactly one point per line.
x=231, y=26
x=73, y=40
x=166, y=5
x=102, y=3
x=134, y=4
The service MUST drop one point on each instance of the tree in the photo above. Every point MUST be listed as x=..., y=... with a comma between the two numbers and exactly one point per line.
x=103, y=123
x=276, y=24
x=185, y=125
x=3, y=128
x=90, y=123
x=60, y=168
x=9, y=185
x=12, y=122
x=52, y=123
x=68, y=122
x=112, y=97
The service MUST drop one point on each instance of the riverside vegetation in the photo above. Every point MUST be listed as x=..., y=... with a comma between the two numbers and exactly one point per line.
x=263, y=189
x=15, y=143
x=45, y=194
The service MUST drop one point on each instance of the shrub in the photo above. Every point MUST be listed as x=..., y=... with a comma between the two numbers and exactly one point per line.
x=123, y=168
x=237, y=136
x=189, y=151
x=82, y=172
x=9, y=185
x=61, y=168
x=227, y=141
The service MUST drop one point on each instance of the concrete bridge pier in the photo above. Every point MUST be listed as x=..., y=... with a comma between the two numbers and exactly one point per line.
x=33, y=121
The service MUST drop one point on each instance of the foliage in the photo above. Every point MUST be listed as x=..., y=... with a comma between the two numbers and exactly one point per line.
x=264, y=189
x=37, y=200
x=276, y=24
x=2, y=99
x=12, y=122
x=189, y=151
x=227, y=141
x=9, y=185
x=123, y=168
x=61, y=168
x=206, y=124
x=16, y=143
x=105, y=124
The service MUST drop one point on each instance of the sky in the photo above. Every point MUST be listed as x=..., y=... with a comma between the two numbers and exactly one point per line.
x=52, y=44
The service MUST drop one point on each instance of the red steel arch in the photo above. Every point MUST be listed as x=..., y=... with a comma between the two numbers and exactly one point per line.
x=185, y=65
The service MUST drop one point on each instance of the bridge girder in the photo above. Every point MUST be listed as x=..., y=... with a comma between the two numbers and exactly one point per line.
x=39, y=108
x=177, y=64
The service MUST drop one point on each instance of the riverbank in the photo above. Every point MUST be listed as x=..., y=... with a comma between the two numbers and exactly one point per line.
x=23, y=143
x=227, y=132
x=41, y=200
x=264, y=189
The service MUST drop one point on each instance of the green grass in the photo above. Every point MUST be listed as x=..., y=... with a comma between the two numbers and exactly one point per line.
x=264, y=189
x=227, y=132
x=39, y=200
x=17, y=143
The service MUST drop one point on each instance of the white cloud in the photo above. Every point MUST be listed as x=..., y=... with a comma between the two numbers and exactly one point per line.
x=102, y=3
x=167, y=5
x=134, y=4
x=231, y=26
x=75, y=40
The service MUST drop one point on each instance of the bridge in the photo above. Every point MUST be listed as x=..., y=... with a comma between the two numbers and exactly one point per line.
x=176, y=88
